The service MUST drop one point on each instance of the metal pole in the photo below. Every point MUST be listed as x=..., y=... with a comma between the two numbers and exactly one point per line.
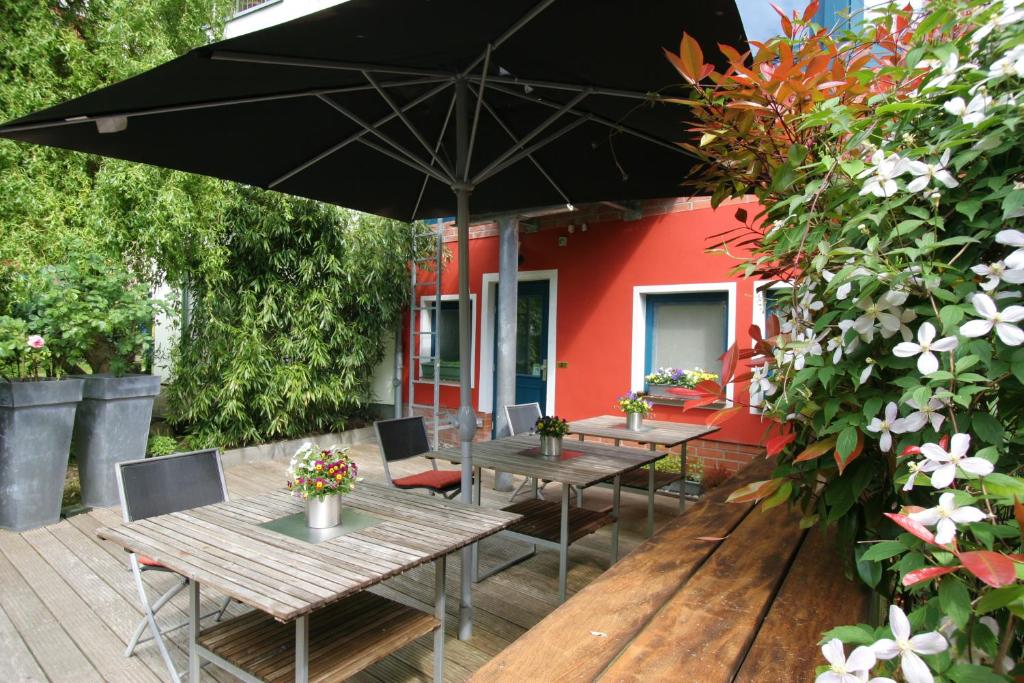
x=505, y=363
x=466, y=416
x=396, y=381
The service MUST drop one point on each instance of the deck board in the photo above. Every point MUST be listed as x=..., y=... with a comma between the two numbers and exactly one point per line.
x=69, y=619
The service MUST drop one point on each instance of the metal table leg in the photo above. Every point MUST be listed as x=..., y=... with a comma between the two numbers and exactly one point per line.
x=302, y=649
x=439, y=614
x=682, y=482
x=563, y=543
x=650, y=500
x=193, y=632
x=615, y=514
x=475, y=548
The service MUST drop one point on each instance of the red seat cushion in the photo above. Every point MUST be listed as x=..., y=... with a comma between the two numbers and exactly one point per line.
x=147, y=561
x=437, y=480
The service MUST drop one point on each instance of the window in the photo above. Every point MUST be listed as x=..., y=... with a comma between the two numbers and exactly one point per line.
x=686, y=330
x=447, y=325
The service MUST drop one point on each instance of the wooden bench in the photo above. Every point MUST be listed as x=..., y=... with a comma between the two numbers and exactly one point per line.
x=685, y=606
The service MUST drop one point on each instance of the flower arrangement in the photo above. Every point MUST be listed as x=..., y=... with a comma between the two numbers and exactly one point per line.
x=635, y=402
x=553, y=426
x=892, y=372
x=678, y=377
x=320, y=472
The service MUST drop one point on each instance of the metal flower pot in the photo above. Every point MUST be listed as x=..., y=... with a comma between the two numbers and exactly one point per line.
x=112, y=425
x=323, y=513
x=36, y=420
x=550, y=446
x=634, y=421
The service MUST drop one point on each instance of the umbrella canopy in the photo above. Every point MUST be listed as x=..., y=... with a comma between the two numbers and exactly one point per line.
x=349, y=104
x=407, y=108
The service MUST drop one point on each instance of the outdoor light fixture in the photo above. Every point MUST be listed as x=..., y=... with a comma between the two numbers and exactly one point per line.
x=111, y=124
x=570, y=207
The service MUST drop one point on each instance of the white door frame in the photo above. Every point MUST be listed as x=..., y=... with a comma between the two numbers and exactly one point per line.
x=488, y=292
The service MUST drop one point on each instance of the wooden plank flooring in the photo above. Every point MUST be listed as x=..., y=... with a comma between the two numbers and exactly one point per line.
x=68, y=604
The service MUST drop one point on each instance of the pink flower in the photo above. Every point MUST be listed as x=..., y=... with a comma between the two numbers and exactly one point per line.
x=36, y=341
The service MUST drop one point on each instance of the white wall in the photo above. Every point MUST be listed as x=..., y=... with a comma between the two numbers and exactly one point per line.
x=273, y=12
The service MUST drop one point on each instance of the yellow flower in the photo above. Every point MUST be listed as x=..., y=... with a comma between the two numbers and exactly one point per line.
x=319, y=484
x=339, y=477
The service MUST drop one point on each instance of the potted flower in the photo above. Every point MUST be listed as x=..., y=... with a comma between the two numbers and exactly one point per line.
x=662, y=380
x=636, y=407
x=551, y=430
x=37, y=414
x=320, y=476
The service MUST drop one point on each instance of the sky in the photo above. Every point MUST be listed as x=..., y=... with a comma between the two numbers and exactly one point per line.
x=760, y=20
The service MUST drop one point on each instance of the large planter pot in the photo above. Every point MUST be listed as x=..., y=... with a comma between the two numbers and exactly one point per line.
x=323, y=514
x=36, y=422
x=112, y=426
x=551, y=446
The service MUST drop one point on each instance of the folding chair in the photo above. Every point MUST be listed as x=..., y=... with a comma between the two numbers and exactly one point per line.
x=158, y=486
x=406, y=437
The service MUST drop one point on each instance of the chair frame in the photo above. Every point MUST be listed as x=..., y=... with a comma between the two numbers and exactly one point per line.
x=537, y=487
x=433, y=462
x=150, y=609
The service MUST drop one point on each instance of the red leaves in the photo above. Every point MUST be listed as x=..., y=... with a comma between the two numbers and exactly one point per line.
x=816, y=449
x=723, y=415
x=690, y=60
x=1018, y=514
x=810, y=11
x=776, y=444
x=729, y=361
x=857, y=450
x=993, y=568
x=926, y=574
x=912, y=527
x=754, y=491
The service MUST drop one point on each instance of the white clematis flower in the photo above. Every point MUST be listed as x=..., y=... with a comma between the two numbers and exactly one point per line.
x=887, y=425
x=1011, y=64
x=922, y=415
x=945, y=516
x=881, y=312
x=930, y=174
x=948, y=461
x=927, y=362
x=843, y=669
x=999, y=272
x=919, y=467
x=993, y=317
x=882, y=174
x=972, y=112
x=908, y=647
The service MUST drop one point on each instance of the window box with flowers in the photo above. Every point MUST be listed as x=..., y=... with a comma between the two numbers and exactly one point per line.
x=661, y=382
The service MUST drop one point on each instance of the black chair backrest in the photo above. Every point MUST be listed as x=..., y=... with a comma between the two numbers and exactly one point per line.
x=402, y=438
x=522, y=417
x=172, y=483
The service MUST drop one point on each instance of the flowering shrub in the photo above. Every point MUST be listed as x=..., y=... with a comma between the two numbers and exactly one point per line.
x=551, y=426
x=320, y=472
x=678, y=377
x=888, y=162
x=635, y=402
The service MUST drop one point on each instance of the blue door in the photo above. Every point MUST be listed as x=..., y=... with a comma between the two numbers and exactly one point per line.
x=531, y=343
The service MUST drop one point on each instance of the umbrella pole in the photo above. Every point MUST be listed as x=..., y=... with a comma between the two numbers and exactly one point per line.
x=466, y=416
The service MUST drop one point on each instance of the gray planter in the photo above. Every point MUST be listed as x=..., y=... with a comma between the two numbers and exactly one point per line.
x=691, y=489
x=36, y=420
x=112, y=426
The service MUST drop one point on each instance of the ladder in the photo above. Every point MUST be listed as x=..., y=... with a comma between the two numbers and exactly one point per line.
x=425, y=339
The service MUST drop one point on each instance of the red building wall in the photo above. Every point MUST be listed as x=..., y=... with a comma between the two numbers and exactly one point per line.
x=597, y=271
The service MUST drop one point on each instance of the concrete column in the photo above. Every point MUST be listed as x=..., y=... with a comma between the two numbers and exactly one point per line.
x=505, y=358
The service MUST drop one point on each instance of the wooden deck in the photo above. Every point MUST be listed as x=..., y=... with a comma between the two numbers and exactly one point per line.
x=68, y=604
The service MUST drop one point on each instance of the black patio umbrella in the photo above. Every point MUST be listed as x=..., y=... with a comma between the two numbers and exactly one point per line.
x=408, y=108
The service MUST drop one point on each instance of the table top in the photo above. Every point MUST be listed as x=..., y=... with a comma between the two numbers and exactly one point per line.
x=657, y=432
x=223, y=547
x=586, y=463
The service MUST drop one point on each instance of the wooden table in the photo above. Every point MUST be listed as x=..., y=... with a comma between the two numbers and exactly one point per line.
x=546, y=523
x=338, y=629
x=656, y=433
x=726, y=592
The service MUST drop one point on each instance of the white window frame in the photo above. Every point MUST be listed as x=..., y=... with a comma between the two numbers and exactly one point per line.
x=427, y=341
x=639, y=346
x=485, y=400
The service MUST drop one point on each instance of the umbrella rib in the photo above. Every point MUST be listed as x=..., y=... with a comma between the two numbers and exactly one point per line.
x=410, y=158
x=355, y=136
x=254, y=58
x=597, y=119
x=402, y=159
x=212, y=104
x=487, y=171
x=408, y=124
x=476, y=113
x=508, y=131
x=516, y=158
x=509, y=32
x=440, y=139
x=573, y=87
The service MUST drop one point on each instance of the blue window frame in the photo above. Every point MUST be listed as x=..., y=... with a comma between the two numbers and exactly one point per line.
x=686, y=330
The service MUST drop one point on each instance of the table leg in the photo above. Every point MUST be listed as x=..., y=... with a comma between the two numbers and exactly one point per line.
x=650, y=500
x=439, y=614
x=193, y=632
x=581, y=437
x=479, y=485
x=536, y=490
x=563, y=543
x=302, y=649
x=466, y=596
x=475, y=548
x=682, y=482
x=615, y=514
